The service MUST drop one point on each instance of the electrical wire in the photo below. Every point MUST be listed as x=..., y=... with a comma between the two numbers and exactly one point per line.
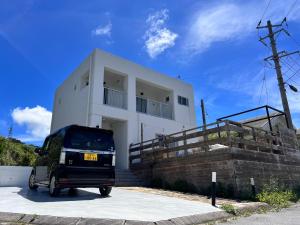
x=264, y=85
x=293, y=75
x=291, y=8
x=267, y=92
x=264, y=12
x=261, y=89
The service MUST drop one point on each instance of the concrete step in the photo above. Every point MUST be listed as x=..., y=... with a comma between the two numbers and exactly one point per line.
x=126, y=178
x=128, y=184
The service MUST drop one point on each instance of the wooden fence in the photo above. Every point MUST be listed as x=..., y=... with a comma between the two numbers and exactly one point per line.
x=221, y=134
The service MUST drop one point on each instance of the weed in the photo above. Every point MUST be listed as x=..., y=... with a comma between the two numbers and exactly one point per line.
x=276, y=195
x=229, y=208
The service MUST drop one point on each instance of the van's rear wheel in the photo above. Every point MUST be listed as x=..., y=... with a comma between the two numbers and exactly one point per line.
x=53, y=190
x=31, y=181
x=73, y=191
x=105, y=191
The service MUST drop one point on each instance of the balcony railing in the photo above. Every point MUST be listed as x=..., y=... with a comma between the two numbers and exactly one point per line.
x=154, y=108
x=114, y=98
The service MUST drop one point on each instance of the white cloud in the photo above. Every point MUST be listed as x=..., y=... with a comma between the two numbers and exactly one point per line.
x=232, y=21
x=158, y=38
x=103, y=30
x=37, y=121
x=250, y=84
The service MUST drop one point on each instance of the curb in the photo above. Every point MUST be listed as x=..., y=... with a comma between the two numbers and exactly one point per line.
x=55, y=220
x=185, y=220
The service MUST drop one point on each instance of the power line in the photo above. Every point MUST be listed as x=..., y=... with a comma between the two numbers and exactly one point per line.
x=293, y=75
x=264, y=85
x=264, y=12
x=291, y=8
x=294, y=61
x=261, y=89
x=297, y=84
x=267, y=92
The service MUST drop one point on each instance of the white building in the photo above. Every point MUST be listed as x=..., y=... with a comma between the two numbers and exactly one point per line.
x=116, y=94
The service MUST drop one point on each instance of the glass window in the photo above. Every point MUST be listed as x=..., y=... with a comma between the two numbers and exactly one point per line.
x=89, y=139
x=141, y=105
x=183, y=100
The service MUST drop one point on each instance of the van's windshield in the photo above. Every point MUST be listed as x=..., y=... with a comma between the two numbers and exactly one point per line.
x=89, y=139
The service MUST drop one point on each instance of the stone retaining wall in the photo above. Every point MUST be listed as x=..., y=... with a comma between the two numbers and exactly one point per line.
x=234, y=169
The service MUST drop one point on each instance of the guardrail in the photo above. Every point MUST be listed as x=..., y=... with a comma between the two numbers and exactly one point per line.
x=114, y=98
x=154, y=108
x=221, y=134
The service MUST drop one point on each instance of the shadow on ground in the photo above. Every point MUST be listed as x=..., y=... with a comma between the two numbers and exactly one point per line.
x=42, y=195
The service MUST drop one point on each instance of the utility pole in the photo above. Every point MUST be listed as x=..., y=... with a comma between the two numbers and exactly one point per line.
x=142, y=132
x=10, y=132
x=204, y=123
x=203, y=114
x=276, y=59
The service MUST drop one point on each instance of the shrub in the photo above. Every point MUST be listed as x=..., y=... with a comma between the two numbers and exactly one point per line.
x=277, y=199
x=156, y=182
x=276, y=195
x=225, y=191
x=15, y=153
x=229, y=208
x=181, y=185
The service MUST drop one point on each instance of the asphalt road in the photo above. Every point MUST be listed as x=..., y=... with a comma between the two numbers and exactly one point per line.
x=289, y=216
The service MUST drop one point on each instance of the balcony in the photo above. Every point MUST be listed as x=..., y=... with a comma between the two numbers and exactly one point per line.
x=114, y=98
x=154, y=108
x=114, y=89
x=154, y=100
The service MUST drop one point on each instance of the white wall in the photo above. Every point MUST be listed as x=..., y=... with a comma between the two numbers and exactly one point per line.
x=77, y=105
x=14, y=176
x=71, y=101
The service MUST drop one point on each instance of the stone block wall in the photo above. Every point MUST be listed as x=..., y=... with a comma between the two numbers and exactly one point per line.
x=234, y=169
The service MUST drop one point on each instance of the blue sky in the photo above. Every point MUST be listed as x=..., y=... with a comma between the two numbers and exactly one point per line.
x=211, y=44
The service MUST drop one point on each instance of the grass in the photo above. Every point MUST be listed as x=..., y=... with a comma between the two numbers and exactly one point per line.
x=229, y=208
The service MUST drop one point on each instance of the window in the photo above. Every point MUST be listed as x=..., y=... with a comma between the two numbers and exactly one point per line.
x=87, y=139
x=141, y=105
x=183, y=100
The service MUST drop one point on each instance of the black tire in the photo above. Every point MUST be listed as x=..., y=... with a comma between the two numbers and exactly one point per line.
x=105, y=191
x=53, y=189
x=72, y=192
x=31, y=181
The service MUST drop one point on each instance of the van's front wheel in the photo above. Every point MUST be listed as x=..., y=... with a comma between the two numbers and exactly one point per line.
x=105, y=191
x=53, y=190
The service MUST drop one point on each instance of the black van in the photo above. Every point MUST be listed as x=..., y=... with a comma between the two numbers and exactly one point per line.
x=74, y=157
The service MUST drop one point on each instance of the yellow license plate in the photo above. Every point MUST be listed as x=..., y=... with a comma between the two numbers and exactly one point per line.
x=90, y=157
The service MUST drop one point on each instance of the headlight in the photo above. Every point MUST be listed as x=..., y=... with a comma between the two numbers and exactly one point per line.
x=62, y=158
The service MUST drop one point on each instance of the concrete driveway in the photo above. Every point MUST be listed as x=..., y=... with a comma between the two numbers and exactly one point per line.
x=121, y=204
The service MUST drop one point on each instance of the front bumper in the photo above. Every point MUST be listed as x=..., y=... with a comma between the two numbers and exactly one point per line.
x=85, y=177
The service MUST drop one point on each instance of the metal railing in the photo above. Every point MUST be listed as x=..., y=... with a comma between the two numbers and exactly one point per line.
x=114, y=98
x=221, y=134
x=154, y=108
